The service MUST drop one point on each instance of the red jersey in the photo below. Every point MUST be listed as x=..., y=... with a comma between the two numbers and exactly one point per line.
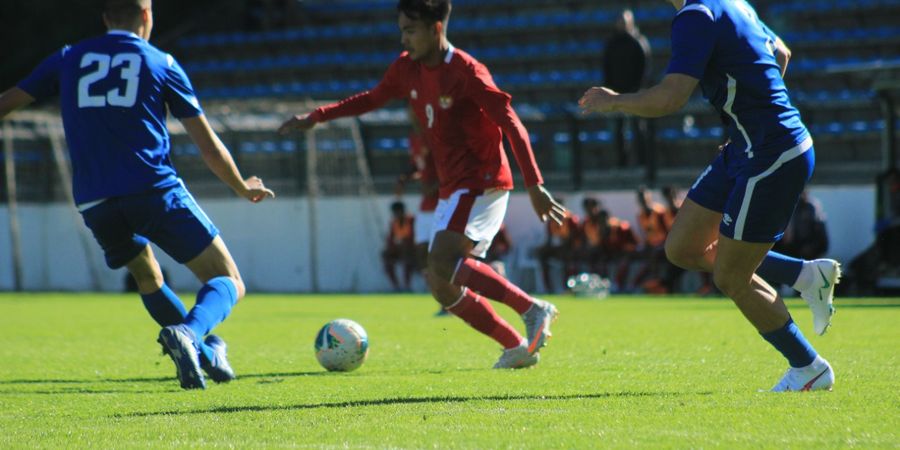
x=463, y=115
x=421, y=159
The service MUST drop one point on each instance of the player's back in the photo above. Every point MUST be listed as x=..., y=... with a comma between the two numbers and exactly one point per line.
x=115, y=91
x=742, y=78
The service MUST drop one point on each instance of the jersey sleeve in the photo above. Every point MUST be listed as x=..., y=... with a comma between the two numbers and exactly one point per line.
x=179, y=94
x=390, y=87
x=693, y=41
x=43, y=81
x=496, y=104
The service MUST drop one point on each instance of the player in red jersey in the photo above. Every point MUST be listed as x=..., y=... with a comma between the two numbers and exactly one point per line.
x=464, y=117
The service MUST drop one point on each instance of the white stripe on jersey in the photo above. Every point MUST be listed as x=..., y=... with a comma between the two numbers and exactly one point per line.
x=697, y=7
x=729, y=102
x=449, y=55
x=751, y=183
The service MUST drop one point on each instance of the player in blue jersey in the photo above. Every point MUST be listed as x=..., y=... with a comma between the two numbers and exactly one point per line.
x=741, y=204
x=115, y=91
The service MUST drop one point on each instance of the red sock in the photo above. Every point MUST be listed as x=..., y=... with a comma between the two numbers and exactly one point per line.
x=479, y=276
x=478, y=313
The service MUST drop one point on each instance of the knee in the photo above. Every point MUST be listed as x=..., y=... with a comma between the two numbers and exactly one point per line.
x=148, y=280
x=731, y=283
x=441, y=266
x=677, y=254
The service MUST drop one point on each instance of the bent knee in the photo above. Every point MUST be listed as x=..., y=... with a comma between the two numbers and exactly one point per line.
x=442, y=264
x=679, y=255
x=148, y=281
x=731, y=282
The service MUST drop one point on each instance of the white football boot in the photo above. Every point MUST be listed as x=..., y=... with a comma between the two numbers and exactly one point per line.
x=820, y=294
x=517, y=358
x=814, y=377
x=537, y=324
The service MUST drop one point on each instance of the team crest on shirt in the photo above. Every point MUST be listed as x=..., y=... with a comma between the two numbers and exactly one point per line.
x=445, y=101
x=413, y=94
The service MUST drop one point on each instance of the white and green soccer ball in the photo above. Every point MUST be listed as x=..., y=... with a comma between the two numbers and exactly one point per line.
x=588, y=285
x=342, y=345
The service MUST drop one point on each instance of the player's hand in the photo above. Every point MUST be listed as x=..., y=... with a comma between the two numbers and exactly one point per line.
x=300, y=122
x=545, y=206
x=255, y=191
x=598, y=100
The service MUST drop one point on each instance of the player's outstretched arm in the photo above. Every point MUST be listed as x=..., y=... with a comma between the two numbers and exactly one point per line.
x=667, y=97
x=13, y=99
x=219, y=161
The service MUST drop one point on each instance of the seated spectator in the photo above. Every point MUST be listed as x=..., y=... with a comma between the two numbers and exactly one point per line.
x=608, y=241
x=806, y=236
x=561, y=244
x=654, y=229
x=399, y=247
x=881, y=260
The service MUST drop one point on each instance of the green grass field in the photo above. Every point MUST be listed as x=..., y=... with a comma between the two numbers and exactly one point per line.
x=84, y=370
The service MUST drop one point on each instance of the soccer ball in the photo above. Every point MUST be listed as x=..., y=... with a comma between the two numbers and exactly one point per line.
x=342, y=345
x=589, y=285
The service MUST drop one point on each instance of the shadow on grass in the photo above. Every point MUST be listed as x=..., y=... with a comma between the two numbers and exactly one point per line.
x=149, y=379
x=408, y=401
x=262, y=377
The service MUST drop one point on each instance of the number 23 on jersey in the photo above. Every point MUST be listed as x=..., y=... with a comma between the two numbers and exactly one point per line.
x=124, y=96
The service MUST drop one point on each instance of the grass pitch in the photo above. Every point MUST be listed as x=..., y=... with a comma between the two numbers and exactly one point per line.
x=84, y=370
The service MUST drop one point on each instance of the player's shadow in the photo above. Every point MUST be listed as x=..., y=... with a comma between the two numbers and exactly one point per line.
x=408, y=401
x=96, y=385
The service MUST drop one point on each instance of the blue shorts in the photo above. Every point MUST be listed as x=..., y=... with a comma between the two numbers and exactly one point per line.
x=756, y=196
x=169, y=217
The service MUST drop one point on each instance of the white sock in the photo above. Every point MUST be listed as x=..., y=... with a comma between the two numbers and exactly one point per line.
x=806, y=277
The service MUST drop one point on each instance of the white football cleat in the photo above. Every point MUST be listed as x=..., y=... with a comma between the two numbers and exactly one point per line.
x=537, y=324
x=814, y=377
x=820, y=294
x=517, y=358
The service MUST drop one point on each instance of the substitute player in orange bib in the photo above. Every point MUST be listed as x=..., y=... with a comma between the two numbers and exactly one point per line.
x=464, y=117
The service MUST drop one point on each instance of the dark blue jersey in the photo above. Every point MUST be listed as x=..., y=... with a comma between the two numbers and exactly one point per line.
x=723, y=44
x=114, y=92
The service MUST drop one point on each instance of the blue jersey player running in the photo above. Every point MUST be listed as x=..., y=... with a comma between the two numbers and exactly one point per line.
x=741, y=204
x=115, y=91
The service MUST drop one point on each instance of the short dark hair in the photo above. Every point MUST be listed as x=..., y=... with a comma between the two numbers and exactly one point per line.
x=398, y=206
x=429, y=11
x=124, y=11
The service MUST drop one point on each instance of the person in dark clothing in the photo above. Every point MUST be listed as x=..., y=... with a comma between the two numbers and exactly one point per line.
x=806, y=236
x=626, y=65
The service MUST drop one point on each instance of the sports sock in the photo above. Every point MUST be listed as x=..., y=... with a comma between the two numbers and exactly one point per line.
x=480, y=277
x=792, y=344
x=167, y=309
x=778, y=269
x=214, y=302
x=478, y=313
x=164, y=306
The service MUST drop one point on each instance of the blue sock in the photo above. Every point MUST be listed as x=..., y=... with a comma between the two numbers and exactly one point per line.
x=790, y=342
x=214, y=302
x=164, y=306
x=167, y=309
x=778, y=269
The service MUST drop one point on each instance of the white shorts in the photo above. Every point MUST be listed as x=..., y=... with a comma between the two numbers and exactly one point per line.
x=478, y=215
x=424, y=221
